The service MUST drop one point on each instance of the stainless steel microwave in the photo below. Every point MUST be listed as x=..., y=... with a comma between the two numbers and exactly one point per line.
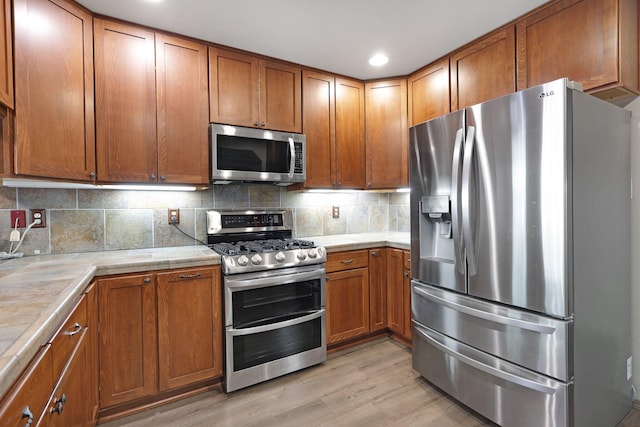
x=256, y=155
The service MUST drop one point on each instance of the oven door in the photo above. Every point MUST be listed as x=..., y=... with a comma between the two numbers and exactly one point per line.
x=275, y=324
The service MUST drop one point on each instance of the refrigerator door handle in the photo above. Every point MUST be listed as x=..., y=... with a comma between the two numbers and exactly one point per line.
x=492, y=317
x=455, y=206
x=485, y=368
x=469, y=146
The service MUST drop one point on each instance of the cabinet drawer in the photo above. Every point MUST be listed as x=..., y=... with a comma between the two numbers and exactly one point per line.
x=67, y=337
x=30, y=393
x=338, y=261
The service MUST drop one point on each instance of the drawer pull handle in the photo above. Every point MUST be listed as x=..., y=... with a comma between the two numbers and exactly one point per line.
x=76, y=328
x=58, y=404
x=26, y=413
x=347, y=261
x=190, y=276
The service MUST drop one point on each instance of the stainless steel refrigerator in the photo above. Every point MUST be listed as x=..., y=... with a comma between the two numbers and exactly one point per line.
x=520, y=257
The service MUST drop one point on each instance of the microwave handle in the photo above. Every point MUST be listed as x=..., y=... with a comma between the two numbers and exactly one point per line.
x=292, y=149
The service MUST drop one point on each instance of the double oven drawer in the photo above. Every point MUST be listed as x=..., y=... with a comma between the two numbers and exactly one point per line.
x=275, y=323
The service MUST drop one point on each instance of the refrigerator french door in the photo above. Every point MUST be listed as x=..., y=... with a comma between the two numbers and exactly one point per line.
x=520, y=220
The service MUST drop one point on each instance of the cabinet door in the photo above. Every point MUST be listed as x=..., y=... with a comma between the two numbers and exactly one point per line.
x=319, y=127
x=350, y=135
x=387, y=134
x=347, y=304
x=128, y=346
x=189, y=326
x=395, y=284
x=428, y=92
x=6, y=54
x=378, y=289
x=67, y=405
x=233, y=88
x=594, y=42
x=280, y=96
x=484, y=70
x=29, y=395
x=125, y=102
x=183, y=110
x=54, y=134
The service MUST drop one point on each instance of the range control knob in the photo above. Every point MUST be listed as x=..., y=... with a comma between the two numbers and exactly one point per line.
x=243, y=260
x=280, y=257
x=301, y=256
x=313, y=253
x=321, y=251
x=256, y=259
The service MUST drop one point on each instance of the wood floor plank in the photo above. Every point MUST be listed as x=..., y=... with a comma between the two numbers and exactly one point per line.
x=371, y=385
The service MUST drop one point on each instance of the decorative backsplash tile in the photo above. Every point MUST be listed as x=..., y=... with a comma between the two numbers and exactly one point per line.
x=96, y=220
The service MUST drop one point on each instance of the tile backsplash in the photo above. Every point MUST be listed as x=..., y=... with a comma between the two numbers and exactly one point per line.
x=97, y=220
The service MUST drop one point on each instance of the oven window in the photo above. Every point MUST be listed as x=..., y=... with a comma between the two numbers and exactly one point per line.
x=256, y=349
x=251, y=154
x=272, y=304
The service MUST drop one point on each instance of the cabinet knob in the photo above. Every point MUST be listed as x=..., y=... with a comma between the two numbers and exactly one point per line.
x=147, y=280
x=92, y=175
x=406, y=274
x=374, y=253
x=163, y=177
x=256, y=124
x=152, y=177
x=263, y=124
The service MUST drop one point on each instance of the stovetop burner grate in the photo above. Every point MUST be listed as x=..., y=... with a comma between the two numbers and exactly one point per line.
x=259, y=246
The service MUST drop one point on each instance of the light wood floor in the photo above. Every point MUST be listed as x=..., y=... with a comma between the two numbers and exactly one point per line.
x=370, y=385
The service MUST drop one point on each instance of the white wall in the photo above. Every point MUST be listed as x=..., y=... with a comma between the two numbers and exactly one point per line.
x=634, y=107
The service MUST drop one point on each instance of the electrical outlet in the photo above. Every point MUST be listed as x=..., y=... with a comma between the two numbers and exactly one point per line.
x=21, y=216
x=336, y=211
x=174, y=216
x=39, y=216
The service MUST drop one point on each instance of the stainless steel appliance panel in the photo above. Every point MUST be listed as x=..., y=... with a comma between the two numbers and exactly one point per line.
x=539, y=343
x=516, y=187
x=436, y=159
x=501, y=391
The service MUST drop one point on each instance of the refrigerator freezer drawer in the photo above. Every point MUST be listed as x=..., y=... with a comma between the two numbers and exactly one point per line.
x=536, y=342
x=501, y=391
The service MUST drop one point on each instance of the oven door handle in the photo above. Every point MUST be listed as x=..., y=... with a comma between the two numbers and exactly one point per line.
x=271, y=327
x=271, y=280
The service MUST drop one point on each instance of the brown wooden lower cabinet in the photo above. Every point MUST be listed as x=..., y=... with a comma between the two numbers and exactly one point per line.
x=159, y=331
x=399, y=293
x=56, y=390
x=378, y=289
x=347, y=295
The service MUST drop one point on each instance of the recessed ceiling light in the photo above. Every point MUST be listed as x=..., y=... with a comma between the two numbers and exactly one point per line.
x=378, y=59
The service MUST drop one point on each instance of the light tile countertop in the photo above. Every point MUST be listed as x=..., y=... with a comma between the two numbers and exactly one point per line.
x=37, y=293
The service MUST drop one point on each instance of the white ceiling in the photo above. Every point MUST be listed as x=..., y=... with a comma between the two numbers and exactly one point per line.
x=332, y=35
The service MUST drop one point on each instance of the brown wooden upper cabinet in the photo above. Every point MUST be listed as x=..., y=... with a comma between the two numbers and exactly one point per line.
x=484, y=70
x=333, y=123
x=594, y=42
x=6, y=55
x=428, y=92
x=247, y=90
x=54, y=105
x=151, y=106
x=386, y=134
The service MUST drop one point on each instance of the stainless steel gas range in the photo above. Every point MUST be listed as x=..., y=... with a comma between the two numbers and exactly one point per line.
x=274, y=295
